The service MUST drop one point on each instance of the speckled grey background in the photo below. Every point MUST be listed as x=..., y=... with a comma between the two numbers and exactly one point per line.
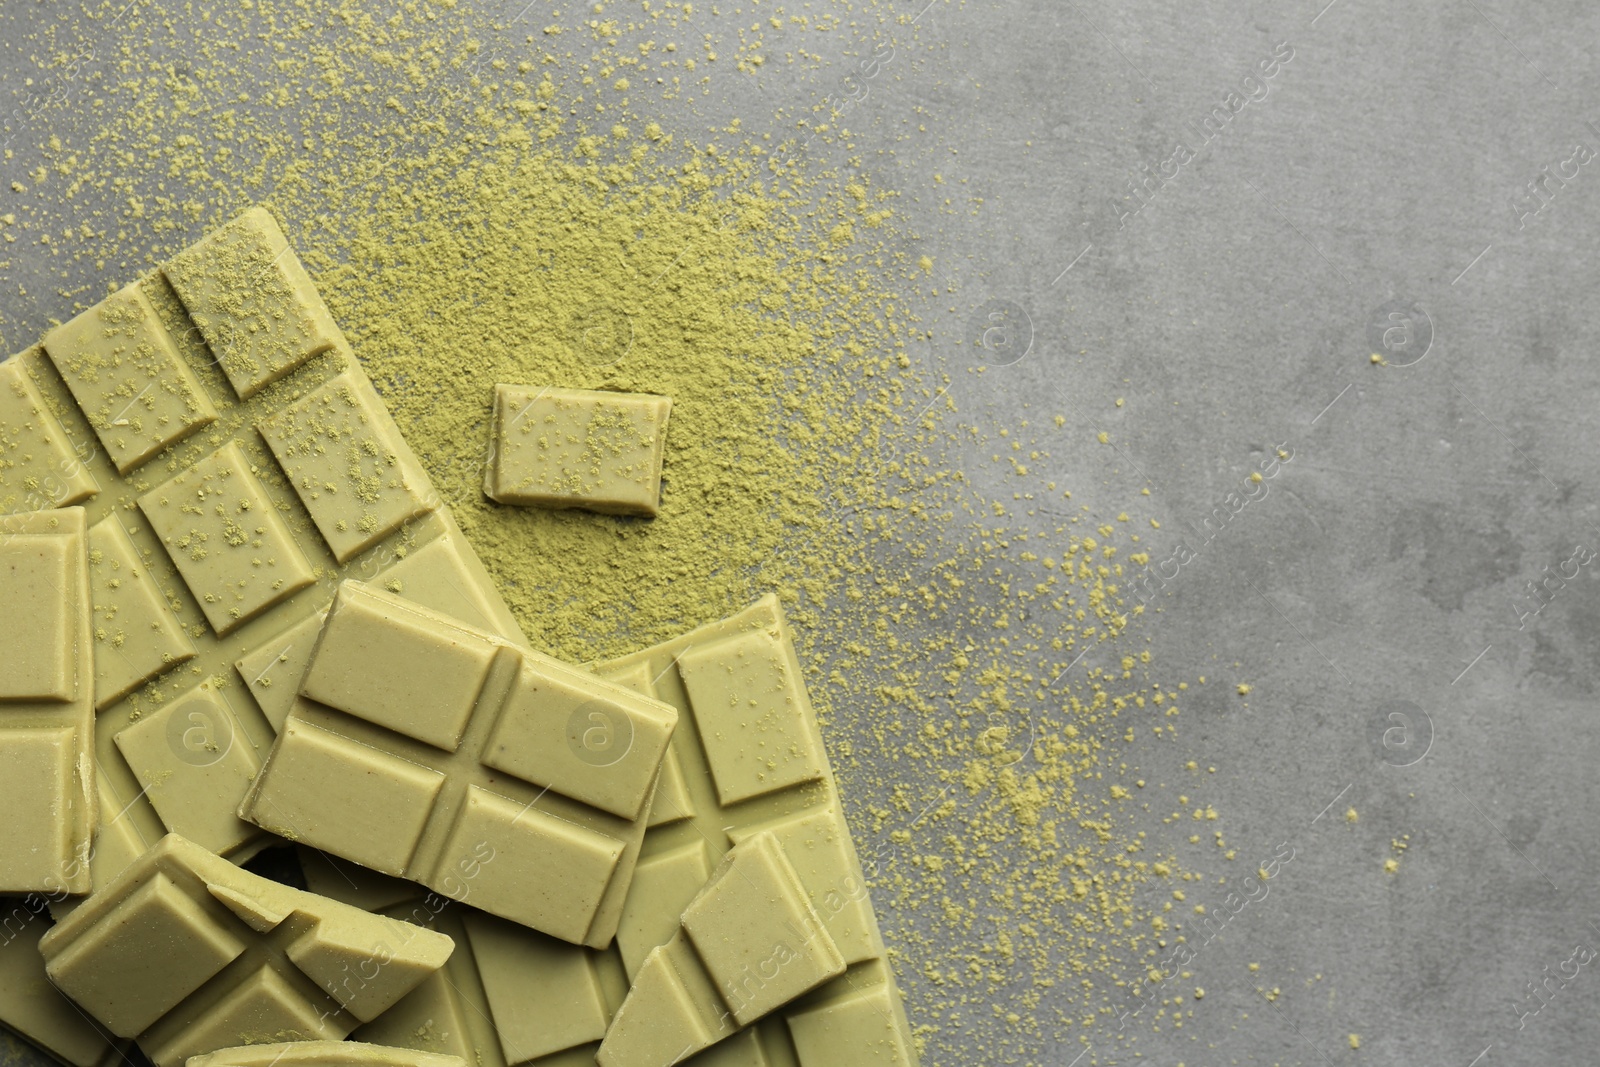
x=1379, y=168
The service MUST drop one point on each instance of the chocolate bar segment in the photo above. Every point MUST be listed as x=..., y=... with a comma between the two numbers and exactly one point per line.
x=194, y=757
x=508, y=997
x=47, y=789
x=252, y=301
x=753, y=718
x=187, y=954
x=577, y=448
x=226, y=538
x=127, y=378
x=39, y=467
x=420, y=744
x=760, y=940
x=857, y=1028
x=351, y=471
x=39, y=1012
x=137, y=632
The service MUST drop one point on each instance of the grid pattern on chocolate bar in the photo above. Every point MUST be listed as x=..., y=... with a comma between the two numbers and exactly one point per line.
x=187, y=953
x=420, y=745
x=749, y=758
x=235, y=464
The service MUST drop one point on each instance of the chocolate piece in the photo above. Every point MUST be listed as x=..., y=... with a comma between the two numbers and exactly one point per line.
x=137, y=634
x=39, y=467
x=577, y=448
x=353, y=473
x=189, y=954
x=508, y=995
x=47, y=794
x=252, y=301
x=749, y=944
x=194, y=735
x=421, y=746
x=442, y=574
x=35, y=1008
x=752, y=761
x=226, y=539
x=867, y=1027
x=127, y=378
x=753, y=904
x=321, y=1054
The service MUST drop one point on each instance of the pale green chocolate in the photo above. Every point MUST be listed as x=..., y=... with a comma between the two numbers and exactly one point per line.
x=227, y=539
x=194, y=762
x=188, y=708
x=508, y=995
x=36, y=1009
x=252, y=301
x=751, y=762
x=187, y=954
x=752, y=927
x=39, y=466
x=353, y=473
x=137, y=633
x=419, y=745
x=577, y=448
x=127, y=378
x=47, y=789
x=750, y=943
x=219, y=528
x=857, y=1028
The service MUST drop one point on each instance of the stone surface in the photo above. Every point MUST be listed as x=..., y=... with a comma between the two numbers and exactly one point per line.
x=1411, y=519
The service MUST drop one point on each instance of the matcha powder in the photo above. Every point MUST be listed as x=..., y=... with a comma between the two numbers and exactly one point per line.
x=696, y=281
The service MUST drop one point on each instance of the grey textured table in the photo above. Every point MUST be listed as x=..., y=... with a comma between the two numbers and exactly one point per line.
x=1161, y=220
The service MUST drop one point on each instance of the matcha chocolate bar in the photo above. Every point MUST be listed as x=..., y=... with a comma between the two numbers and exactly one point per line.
x=421, y=747
x=748, y=759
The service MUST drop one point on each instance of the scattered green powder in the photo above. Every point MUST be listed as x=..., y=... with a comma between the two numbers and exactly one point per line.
x=481, y=205
x=746, y=324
